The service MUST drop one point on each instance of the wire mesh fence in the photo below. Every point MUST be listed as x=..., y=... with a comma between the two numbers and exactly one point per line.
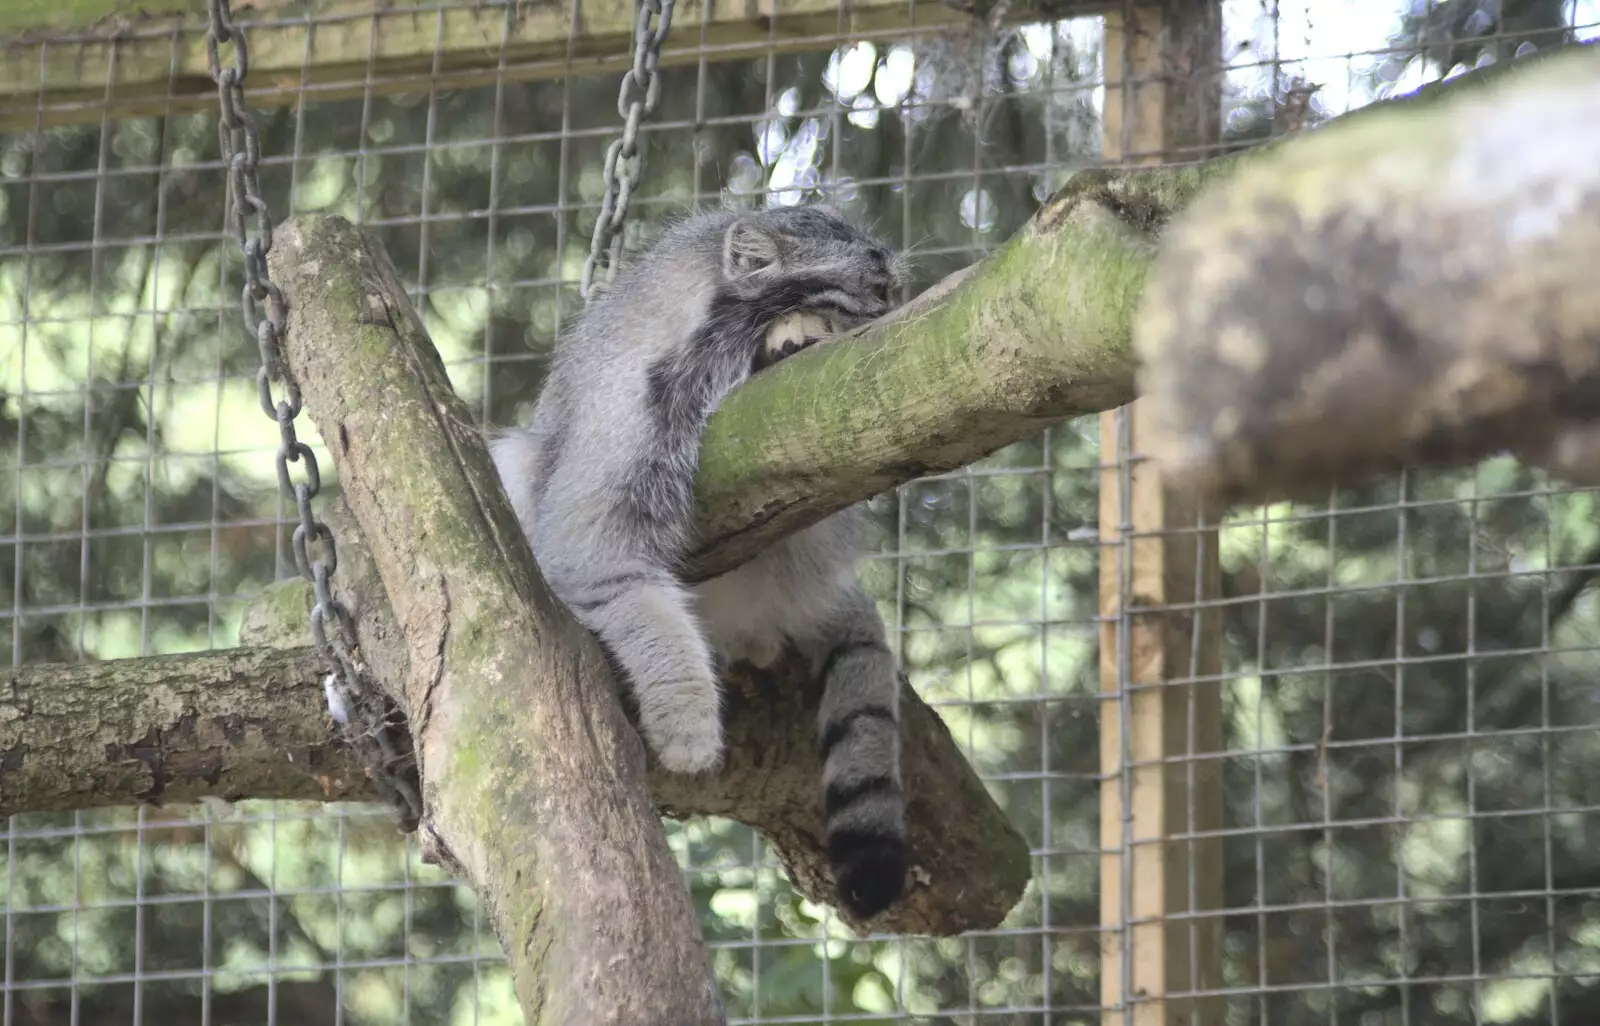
x=1405, y=760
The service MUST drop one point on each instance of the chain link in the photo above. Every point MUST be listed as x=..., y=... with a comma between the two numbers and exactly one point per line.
x=640, y=92
x=372, y=724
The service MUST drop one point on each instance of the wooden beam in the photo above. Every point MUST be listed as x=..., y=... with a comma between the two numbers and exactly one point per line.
x=79, y=60
x=1158, y=942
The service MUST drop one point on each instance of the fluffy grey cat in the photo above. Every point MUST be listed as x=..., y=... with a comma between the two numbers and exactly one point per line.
x=602, y=481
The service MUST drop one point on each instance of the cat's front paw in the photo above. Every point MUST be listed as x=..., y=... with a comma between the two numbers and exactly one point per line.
x=793, y=332
x=687, y=739
x=691, y=751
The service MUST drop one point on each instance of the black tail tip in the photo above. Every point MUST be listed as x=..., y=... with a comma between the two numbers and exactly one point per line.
x=870, y=874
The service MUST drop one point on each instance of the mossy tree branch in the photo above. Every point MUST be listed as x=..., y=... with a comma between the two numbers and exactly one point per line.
x=253, y=723
x=1035, y=333
x=1003, y=376
x=1415, y=286
x=250, y=722
x=533, y=780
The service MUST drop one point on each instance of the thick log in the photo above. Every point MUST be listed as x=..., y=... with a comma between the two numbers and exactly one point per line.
x=253, y=723
x=246, y=723
x=1414, y=286
x=533, y=780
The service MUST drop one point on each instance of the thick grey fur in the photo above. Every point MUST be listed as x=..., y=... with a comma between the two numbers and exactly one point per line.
x=602, y=481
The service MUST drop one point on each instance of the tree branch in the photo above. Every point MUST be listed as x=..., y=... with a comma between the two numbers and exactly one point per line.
x=1033, y=334
x=253, y=723
x=250, y=722
x=954, y=376
x=971, y=863
x=1415, y=286
x=533, y=780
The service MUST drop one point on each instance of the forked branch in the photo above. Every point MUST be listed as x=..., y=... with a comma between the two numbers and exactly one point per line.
x=533, y=781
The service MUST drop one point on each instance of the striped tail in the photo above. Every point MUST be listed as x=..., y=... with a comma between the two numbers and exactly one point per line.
x=863, y=798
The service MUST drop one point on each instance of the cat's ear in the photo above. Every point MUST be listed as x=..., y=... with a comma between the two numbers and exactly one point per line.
x=750, y=247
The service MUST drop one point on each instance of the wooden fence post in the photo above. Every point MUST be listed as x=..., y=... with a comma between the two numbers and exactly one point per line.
x=1160, y=655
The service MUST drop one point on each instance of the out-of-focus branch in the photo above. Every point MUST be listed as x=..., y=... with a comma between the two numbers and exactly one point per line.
x=1413, y=287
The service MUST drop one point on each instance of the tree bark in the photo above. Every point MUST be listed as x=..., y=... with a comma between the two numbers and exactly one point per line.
x=533, y=780
x=253, y=723
x=1397, y=290
x=247, y=723
x=952, y=377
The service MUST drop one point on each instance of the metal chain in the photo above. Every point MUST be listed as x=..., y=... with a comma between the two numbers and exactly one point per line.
x=371, y=723
x=641, y=91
